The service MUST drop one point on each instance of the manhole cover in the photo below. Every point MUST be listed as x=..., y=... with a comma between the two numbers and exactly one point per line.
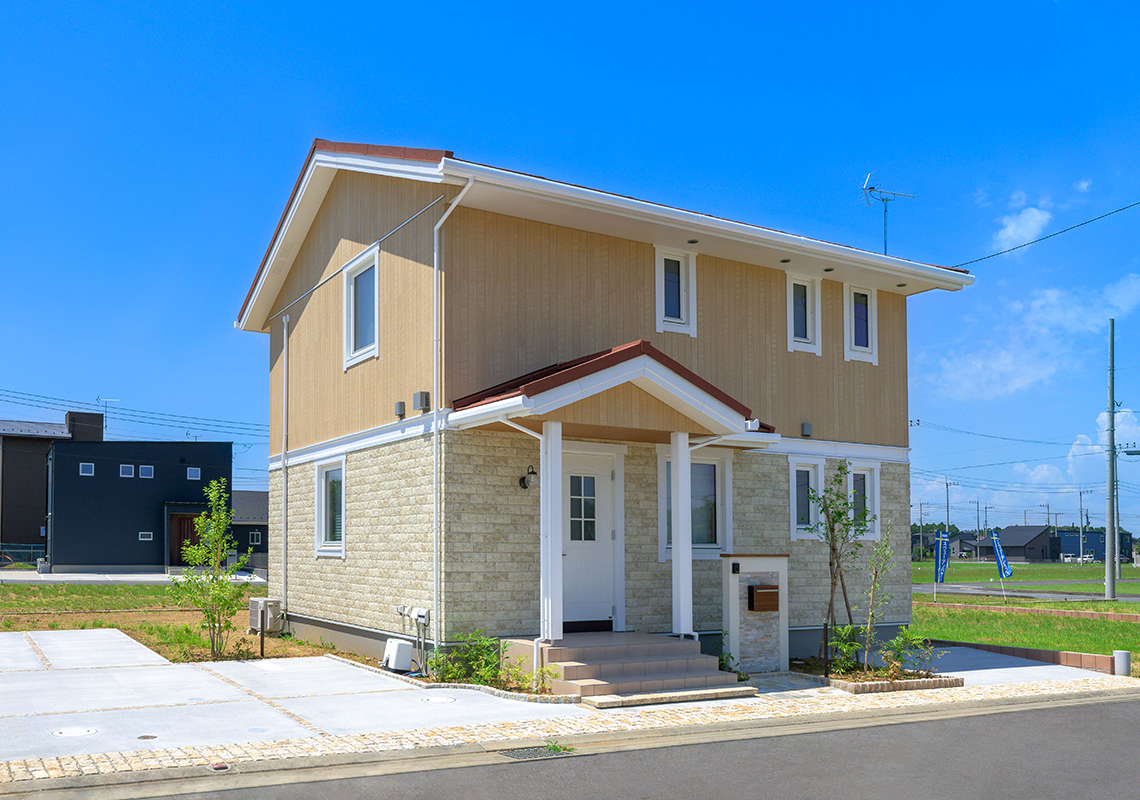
x=437, y=699
x=533, y=752
x=148, y=736
x=74, y=732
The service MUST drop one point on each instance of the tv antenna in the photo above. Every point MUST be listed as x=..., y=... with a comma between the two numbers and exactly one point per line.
x=883, y=196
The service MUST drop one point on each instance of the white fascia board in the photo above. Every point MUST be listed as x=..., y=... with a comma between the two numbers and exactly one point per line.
x=852, y=451
x=517, y=406
x=361, y=440
x=753, y=440
x=690, y=221
x=299, y=217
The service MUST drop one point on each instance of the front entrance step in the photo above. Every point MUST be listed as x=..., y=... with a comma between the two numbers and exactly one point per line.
x=626, y=663
x=656, y=698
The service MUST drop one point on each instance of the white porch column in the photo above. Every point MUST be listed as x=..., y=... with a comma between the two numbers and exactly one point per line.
x=681, y=487
x=550, y=555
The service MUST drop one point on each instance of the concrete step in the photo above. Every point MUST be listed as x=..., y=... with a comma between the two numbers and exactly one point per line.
x=641, y=684
x=628, y=667
x=656, y=698
x=665, y=647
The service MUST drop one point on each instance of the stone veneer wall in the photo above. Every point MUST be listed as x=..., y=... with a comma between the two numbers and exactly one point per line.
x=490, y=548
x=759, y=646
x=387, y=538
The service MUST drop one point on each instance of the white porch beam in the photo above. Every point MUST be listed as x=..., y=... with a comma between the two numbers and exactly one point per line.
x=550, y=554
x=681, y=479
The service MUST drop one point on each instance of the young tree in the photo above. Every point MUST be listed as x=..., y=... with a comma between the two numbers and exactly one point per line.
x=840, y=526
x=208, y=584
x=877, y=599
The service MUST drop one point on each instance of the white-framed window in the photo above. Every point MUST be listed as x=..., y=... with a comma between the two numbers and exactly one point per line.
x=146, y=536
x=863, y=487
x=329, y=510
x=146, y=471
x=676, y=281
x=86, y=469
x=711, y=498
x=361, y=306
x=805, y=475
x=804, y=315
x=254, y=537
x=193, y=473
x=126, y=470
x=860, y=324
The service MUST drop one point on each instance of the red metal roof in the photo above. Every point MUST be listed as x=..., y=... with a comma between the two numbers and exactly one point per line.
x=547, y=378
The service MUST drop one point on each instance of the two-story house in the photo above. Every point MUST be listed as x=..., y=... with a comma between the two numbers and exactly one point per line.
x=536, y=409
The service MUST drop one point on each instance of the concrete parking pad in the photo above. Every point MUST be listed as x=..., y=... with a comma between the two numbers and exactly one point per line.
x=983, y=668
x=423, y=708
x=17, y=654
x=102, y=647
x=301, y=677
x=119, y=731
x=63, y=691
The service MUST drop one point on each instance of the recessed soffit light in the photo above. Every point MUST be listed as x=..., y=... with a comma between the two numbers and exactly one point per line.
x=900, y=285
x=693, y=241
x=829, y=269
x=785, y=261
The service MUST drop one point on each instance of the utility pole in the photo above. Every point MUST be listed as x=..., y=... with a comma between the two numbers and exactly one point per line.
x=1081, y=499
x=949, y=483
x=1024, y=517
x=1110, y=540
x=921, y=533
x=977, y=553
x=978, y=523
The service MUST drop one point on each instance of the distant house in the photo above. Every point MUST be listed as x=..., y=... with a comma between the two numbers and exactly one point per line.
x=1093, y=545
x=127, y=506
x=250, y=526
x=24, y=448
x=964, y=544
x=1024, y=543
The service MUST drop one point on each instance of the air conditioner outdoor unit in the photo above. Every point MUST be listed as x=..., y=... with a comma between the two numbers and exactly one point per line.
x=272, y=614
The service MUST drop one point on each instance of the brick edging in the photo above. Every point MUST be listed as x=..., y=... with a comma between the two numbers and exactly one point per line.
x=1055, y=612
x=876, y=687
x=559, y=699
x=1064, y=658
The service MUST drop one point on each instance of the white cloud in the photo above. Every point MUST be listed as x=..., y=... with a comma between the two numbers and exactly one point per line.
x=1018, y=199
x=1035, y=339
x=1022, y=227
x=1083, y=186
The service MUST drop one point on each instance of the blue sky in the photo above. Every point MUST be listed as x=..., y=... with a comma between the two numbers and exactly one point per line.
x=150, y=151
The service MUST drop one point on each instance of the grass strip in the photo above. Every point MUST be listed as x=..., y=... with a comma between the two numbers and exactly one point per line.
x=55, y=598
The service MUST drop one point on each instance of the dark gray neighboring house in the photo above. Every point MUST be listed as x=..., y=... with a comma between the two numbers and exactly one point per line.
x=250, y=526
x=964, y=544
x=24, y=450
x=1025, y=543
x=128, y=506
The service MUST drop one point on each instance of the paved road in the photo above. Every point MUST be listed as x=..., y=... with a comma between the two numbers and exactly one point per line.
x=1013, y=590
x=1012, y=755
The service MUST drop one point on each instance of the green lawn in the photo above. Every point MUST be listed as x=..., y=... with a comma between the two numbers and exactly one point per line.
x=1028, y=630
x=23, y=597
x=972, y=572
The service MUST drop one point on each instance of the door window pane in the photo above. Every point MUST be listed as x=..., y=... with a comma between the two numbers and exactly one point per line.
x=583, y=508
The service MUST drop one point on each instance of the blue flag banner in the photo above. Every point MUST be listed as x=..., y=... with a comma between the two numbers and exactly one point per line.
x=1003, y=566
x=942, y=556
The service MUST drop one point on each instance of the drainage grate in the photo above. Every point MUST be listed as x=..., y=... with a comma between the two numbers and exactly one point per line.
x=532, y=752
x=74, y=732
x=437, y=699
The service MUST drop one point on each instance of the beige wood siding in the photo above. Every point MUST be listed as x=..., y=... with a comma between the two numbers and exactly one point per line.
x=523, y=295
x=325, y=400
x=626, y=406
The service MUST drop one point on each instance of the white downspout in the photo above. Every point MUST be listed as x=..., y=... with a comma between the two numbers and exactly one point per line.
x=284, y=463
x=435, y=405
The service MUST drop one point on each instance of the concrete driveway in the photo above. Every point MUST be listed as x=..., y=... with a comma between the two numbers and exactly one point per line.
x=99, y=691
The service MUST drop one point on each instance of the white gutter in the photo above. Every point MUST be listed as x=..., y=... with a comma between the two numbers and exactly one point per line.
x=436, y=407
x=284, y=463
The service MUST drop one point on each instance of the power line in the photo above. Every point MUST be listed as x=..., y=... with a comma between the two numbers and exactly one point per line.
x=917, y=423
x=1050, y=236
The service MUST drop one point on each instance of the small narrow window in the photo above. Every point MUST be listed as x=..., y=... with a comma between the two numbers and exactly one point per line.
x=859, y=492
x=803, y=498
x=126, y=470
x=361, y=306
x=86, y=469
x=193, y=474
x=146, y=536
x=804, y=314
x=676, y=288
x=333, y=528
x=673, y=290
x=146, y=471
x=800, y=311
x=364, y=310
x=860, y=325
x=862, y=319
x=805, y=476
x=254, y=537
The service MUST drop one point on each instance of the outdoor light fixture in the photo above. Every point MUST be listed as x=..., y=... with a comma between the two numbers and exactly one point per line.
x=400, y=409
x=526, y=481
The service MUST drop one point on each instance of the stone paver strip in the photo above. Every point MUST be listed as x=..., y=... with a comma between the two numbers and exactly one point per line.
x=781, y=705
x=36, y=649
x=275, y=706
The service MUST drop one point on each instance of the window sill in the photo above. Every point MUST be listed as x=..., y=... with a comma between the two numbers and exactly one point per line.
x=672, y=326
x=363, y=355
x=869, y=356
x=328, y=552
x=805, y=347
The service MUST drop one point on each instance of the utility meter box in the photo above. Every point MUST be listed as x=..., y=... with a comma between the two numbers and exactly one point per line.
x=272, y=614
x=398, y=655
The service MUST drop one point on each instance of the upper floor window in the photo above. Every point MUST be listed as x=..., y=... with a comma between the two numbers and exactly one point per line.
x=193, y=473
x=860, y=325
x=86, y=469
x=254, y=537
x=676, y=292
x=361, y=306
x=804, y=314
x=146, y=471
x=126, y=470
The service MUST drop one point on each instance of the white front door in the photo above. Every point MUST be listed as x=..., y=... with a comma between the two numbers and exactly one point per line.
x=588, y=538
